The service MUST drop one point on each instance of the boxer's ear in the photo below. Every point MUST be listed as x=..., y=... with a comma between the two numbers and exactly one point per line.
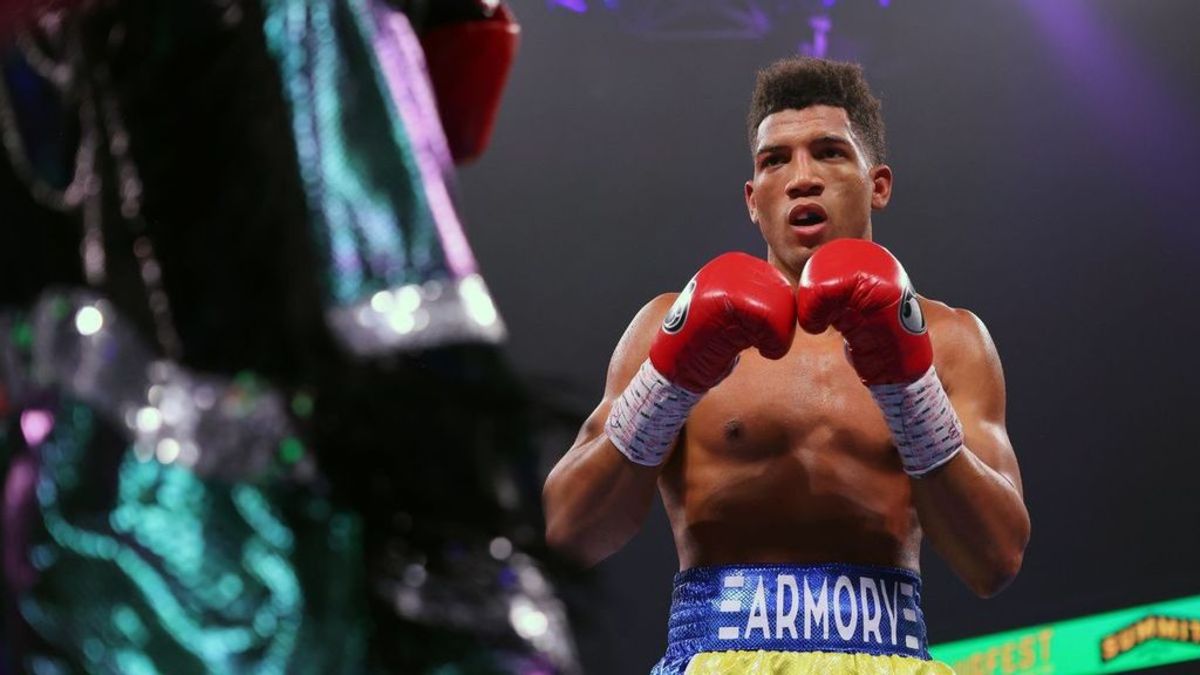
x=750, y=204
x=881, y=185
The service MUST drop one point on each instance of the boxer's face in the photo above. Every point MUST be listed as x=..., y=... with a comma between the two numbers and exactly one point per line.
x=813, y=182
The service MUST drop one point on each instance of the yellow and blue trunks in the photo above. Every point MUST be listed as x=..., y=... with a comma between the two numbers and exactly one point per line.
x=810, y=663
x=796, y=620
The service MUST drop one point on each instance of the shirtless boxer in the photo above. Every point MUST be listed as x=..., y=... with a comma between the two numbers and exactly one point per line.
x=800, y=476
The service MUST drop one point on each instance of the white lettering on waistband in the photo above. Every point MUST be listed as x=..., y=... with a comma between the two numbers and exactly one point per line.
x=858, y=609
x=731, y=606
x=786, y=620
x=815, y=609
x=728, y=633
x=890, y=608
x=870, y=621
x=758, y=612
x=846, y=630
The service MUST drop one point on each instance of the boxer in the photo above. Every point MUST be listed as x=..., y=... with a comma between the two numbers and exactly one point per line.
x=801, y=469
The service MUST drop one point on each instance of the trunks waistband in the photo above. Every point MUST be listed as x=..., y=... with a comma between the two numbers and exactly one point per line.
x=800, y=608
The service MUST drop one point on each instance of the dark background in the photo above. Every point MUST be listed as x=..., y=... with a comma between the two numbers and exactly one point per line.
x=1045, y=154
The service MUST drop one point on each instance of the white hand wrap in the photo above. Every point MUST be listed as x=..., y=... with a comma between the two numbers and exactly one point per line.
x=648, y=415
x=924, y=426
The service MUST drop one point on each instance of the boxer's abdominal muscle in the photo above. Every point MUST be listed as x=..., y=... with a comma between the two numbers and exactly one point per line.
x=790, y=461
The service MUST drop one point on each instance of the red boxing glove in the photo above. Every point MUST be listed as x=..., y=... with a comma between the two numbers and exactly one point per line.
x=734, y=302
x=860, y=289
x=468, y=64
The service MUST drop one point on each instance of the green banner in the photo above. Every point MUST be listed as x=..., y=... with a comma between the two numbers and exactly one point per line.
x=1113, y=642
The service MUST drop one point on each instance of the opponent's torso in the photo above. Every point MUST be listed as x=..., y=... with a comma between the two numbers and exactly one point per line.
x=790, y=461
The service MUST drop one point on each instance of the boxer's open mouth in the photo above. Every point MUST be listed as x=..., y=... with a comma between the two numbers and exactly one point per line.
x=810, y=219
x=807, y=215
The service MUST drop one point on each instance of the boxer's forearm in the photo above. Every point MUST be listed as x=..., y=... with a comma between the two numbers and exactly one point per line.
x=595, y=501
x=976, y=519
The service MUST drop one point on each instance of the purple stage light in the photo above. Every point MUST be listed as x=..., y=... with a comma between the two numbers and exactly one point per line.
x=1132, y=110
x=715, y=19
x=577, y=6
x=36, y=426
x=697, y=19
x=819, y=46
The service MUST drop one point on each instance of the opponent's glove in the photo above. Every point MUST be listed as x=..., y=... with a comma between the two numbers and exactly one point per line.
x=734, y=302
x=860, y=289
x=469, y=63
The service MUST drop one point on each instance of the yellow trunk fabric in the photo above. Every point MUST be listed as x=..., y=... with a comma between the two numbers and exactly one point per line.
x=810, y=663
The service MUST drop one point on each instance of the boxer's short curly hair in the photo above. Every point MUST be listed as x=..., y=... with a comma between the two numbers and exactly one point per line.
x=800, y=82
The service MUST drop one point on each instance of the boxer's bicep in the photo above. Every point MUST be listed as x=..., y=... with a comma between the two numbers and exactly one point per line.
x=632, y=349
x=976, y=387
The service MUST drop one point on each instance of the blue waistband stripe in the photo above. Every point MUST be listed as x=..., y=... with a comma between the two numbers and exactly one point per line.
x=797, y=608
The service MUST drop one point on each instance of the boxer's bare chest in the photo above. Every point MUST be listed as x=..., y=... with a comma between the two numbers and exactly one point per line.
x=811, y=399
x=790, y=460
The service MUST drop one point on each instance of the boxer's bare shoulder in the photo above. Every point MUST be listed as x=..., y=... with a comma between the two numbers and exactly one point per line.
x=634, y=344
x=969, y=368
x=962, y=346
x=631, y=350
